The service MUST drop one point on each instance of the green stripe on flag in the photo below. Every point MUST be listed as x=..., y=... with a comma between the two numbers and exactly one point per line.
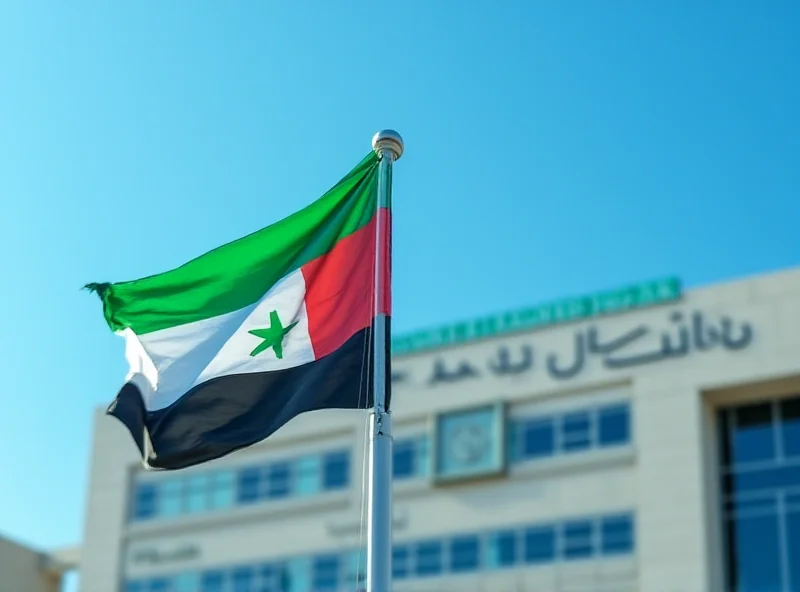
x=237, y=274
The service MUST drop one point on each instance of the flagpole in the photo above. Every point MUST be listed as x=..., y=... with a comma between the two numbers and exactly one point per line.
x=389, y=146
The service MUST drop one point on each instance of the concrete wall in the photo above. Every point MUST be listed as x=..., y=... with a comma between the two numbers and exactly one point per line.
x=25, y=570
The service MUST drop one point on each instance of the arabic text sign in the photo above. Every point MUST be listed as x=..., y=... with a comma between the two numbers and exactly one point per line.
x=686, y=334
x=562, y=311
x=157, y=556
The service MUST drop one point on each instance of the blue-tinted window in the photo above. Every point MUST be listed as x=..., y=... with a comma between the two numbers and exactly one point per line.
x=576, y=431
x=616, y=534
x=144, y=501
x=356, y=569
x=793, y=547
x=790, y=431
x=464, y=554
x=578, y=539
x=760, y=481
x=278, y=475
x=244, y=579
x=158, y=585
x=223, y=490
x=171, y=498
x=614, y=425
x=757, y=564
x=186, y=582
x=403, y=459
x=336, y=470
x=269, y=578
x=298, y=573
x=400, y=559
x=429, y=558
x=540, y=544
x=422, y=460
x=249, y=485
x=135, y=586
x=307, y=475
x=503, y=549
x=538, y=438
x=325, y=572
x=212, y=581
x=767, y=478
x=197, y=489
x=754, y=434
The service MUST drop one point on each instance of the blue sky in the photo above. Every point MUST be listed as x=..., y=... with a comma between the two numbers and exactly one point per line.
x=553, y=149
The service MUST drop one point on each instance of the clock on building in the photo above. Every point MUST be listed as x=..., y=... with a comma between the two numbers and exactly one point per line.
x=469, y=443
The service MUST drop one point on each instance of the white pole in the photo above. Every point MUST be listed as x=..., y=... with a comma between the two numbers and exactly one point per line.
x=389, y=146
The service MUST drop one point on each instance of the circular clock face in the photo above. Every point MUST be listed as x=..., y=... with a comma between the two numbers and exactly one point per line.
x=469, y=444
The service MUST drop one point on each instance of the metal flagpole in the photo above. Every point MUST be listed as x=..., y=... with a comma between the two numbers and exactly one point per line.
x=389, y=146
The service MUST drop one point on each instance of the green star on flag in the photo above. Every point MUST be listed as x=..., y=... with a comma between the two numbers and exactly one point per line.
x=273, y=337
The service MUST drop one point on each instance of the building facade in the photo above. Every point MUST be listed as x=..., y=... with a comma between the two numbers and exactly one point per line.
x=23, y=569
x=641, y=440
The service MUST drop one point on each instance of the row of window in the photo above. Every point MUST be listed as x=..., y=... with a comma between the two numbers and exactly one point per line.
x=539, y=544
x=568, y=433
x=535, y=438
x=530, y=438
x=203, y=492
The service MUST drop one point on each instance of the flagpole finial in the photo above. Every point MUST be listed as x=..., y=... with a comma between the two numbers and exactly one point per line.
x=388, y=141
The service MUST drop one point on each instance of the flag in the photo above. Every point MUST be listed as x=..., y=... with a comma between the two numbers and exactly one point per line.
x=229, y=347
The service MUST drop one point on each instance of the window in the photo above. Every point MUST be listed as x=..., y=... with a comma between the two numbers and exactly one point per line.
x=616, y=533
x=429, y=558
x=576, y=431
x=464, y=554
x=754, y=434
x=538, y=438
x=578, y=539
x=410, y=458
x=356, y=570
x=336, y=470
x=197, y=500
x=278, y=480
x=159, y=585
x=270, y=578
x=540, y=544
x=171, y=498
x=297, y=575
x=761, y=491
x=423, y=456
x=249, y=485
x=400, y=562
x=403, y=461
x=223, y=490
x=187, y=582
x=614, y=425
x=326, y=573
x=503, y=549
x=308, y=475
x=135, y=586
x=212, y=581
x=790, y=427
x=244, y=579
x=144, y=501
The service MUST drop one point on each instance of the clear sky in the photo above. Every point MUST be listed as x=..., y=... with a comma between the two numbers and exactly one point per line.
x=552, y=149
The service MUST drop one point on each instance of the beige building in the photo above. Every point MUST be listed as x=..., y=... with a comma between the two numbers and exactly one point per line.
x=639, y=440
x=23, y=569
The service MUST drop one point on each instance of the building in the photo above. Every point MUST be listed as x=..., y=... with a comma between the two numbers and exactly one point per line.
x=639, y=440
x=23, y=569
